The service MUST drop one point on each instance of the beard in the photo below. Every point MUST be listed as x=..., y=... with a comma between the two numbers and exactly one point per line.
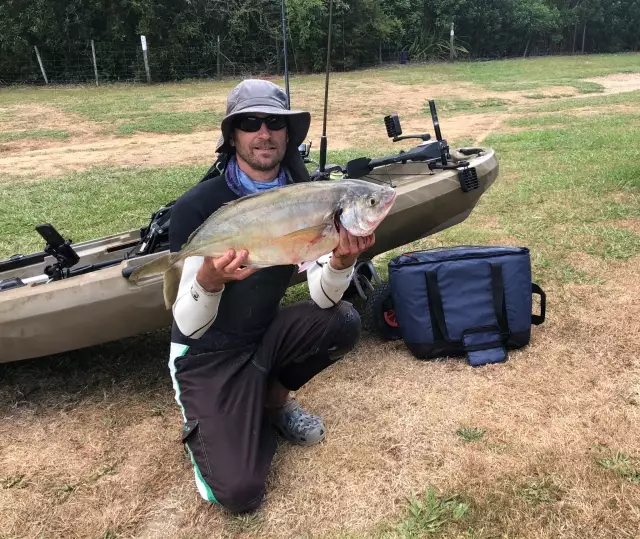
x=259, y=160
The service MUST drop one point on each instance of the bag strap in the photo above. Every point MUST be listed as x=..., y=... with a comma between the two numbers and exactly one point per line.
x=435, y=306
x=537, y=319
x=499, y=303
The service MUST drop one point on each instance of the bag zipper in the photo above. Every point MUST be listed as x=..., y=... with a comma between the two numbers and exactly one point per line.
x=467, y=256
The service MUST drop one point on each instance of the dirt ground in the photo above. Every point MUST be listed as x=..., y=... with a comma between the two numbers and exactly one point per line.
x=348, y=125
x=615, y=84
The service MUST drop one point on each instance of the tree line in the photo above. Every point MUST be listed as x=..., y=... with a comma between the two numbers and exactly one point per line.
x=363, y=31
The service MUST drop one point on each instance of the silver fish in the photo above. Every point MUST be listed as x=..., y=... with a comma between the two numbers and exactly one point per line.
x=294, y=224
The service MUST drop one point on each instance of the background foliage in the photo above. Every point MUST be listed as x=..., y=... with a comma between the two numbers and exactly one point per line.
x=182, y=34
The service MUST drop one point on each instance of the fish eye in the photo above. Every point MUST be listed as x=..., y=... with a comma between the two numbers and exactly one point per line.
x=372, y=201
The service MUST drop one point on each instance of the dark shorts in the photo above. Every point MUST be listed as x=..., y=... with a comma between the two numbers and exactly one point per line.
x=222, y=394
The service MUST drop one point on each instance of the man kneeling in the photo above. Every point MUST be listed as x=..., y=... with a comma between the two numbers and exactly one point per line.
x=235, y=354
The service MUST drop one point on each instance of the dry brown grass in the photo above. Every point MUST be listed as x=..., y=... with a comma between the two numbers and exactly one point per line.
x=149, y=149
x=97, y=449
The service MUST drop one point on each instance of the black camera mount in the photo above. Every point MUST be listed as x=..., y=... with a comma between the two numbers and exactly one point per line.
x=60, y=249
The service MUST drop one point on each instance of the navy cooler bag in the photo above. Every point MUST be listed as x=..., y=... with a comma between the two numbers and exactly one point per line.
x=473, y=301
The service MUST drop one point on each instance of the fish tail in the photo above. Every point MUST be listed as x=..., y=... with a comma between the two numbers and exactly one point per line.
x=155, y=267
x=172, y=276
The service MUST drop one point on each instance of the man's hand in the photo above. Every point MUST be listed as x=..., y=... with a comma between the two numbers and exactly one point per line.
x=350, y=246
x=215, y=272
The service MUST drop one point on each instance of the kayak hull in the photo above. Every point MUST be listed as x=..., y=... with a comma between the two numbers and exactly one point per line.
x=101, y=306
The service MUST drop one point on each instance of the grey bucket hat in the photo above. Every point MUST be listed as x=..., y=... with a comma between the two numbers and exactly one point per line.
x=261, y=96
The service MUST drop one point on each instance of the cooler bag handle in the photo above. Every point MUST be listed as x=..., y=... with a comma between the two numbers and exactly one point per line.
x=537, y=319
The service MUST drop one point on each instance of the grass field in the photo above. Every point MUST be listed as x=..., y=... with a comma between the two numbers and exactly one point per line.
x=543, y=446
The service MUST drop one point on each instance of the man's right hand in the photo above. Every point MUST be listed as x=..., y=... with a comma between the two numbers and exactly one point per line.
x=215, y=272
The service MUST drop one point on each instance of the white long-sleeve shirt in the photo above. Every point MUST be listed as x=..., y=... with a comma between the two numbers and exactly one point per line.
x=195, y=309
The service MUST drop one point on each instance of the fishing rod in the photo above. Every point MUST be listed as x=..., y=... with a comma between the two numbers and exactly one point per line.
x=323, y=139
x=284, y=43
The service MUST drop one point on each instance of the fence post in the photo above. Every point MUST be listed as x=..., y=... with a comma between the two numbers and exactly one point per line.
x=218, y=55
x=95, y=64
x=451, y=50
x=277, y=56
x=41, y=66
x=143, y=40
x=380, y=54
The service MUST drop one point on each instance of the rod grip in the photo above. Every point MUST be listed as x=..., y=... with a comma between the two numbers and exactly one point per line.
x=323, y=152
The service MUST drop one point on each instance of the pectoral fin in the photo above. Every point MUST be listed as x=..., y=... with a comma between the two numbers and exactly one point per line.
x=305, y=236
x=300, y=247
x=304, y=266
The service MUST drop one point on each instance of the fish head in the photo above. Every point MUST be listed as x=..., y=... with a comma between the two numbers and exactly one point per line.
x=364, y=206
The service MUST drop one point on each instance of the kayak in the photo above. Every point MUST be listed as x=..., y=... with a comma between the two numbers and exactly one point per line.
x=73, y=296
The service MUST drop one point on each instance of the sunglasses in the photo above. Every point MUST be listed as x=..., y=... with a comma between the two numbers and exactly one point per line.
x=252, y=124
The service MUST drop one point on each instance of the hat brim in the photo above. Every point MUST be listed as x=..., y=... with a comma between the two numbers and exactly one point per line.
x=299, y=122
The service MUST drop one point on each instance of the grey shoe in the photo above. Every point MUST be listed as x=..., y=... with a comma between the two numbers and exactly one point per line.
x=296, y=425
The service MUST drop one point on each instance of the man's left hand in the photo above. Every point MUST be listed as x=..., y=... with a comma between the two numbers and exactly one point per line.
x=350, y=246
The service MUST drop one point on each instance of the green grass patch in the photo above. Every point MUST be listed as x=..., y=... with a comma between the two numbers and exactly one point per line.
x=13, y=481
x=587, y=87
x=169, y=122
x=92, y=97
x=57, y=134
x=298, y=292
x=429, y=515
x=546, y=120
x=426, y=515
x=564, y=120
x=89, y=204
x=126, y=109
x=622, y=465
x=470, y=434
x=582, y=102
x=468, y=105
x=556, y=191
x=537, y=491
x=609, y=242
x=516, y=74
x=133, y=113
x=111, y=107
x=531, y=73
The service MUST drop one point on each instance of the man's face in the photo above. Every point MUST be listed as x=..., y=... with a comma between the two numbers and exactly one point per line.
x=263, y=149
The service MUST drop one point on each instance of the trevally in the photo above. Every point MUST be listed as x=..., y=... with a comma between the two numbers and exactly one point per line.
x=294, y=224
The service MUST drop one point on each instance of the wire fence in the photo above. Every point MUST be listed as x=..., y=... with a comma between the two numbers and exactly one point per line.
x=104, y=63
x=142, y=62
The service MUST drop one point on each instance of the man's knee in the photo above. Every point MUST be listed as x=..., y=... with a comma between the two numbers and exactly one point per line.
x=244, y=495
x=348, y=327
